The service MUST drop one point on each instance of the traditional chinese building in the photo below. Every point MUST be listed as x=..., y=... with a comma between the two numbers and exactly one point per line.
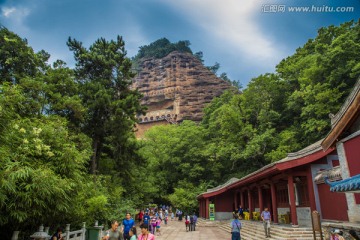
x=295, y=186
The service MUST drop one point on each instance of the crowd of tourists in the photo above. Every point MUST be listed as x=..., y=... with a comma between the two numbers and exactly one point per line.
x=149, y=221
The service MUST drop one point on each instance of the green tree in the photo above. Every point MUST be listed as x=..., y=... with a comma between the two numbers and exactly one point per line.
x=42, y=164
x=175, y=153
x=17, y=59
x=105, y=75
x=321, y=74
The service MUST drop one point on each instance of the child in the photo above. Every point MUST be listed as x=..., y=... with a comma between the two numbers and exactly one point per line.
x=153, y=224
x=132, y=233
x=187, y=222
x=166, y=220
x=158, y=222
x=172, y=216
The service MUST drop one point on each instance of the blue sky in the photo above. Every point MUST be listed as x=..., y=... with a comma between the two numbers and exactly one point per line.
x=247, y=38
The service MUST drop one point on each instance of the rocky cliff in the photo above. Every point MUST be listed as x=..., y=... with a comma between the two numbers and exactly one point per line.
x=176, y=87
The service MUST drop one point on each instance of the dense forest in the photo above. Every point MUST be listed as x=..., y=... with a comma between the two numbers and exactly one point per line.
x=68, y=150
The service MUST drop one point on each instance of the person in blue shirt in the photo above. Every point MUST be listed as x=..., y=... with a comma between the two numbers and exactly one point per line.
x=266, y=217
x=147, y=219
x=193, y=220
x=235, y=228
x=127, y=224
x=241, y=212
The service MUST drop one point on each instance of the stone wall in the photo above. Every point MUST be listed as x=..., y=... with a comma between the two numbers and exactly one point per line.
x=223, y=215
x=304, y=216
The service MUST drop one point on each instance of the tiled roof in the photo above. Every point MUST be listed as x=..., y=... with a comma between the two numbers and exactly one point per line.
x=230, y=181
x=351, y=184
x=314, y=150
x=315, y=147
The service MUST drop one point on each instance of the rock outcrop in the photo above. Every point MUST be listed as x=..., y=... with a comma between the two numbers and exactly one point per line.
x=175, y=88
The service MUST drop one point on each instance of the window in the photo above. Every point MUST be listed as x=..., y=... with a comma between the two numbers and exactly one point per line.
x=302, y=193
x=282, y=195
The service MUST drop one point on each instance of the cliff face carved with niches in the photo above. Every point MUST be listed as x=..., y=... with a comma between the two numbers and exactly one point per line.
x=175, y=88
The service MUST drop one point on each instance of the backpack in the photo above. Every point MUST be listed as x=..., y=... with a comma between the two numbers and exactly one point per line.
x=191, y=219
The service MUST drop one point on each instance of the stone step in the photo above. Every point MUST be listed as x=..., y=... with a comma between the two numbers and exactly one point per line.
x=255, y=231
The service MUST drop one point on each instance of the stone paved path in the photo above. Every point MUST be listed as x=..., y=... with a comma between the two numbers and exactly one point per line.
x=175, y=230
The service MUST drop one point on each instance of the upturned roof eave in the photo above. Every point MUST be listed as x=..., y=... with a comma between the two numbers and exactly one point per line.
x=348, y=111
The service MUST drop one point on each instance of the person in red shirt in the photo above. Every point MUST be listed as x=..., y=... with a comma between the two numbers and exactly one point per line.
x=141, y=215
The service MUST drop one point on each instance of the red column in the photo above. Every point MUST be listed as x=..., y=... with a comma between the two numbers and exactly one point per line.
x=291, y=190
x=274, y=203
x=235, y=200
x=203, y=207
x=310, y=188
x=207, y=209
x=250, y=203
x=242, y=199
x=261, y=203
x=199, y=202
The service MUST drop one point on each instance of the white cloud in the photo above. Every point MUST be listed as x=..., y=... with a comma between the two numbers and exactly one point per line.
x=7, y=12
x=14, y=17
x=17, y=14
x=232, y=23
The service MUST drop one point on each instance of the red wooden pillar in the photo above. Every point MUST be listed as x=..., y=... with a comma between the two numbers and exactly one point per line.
x=250, y=204
x=199, y=201
x=310, y=188
x=261, y=202
x=207, y=208
x=235, y=200
x=242, y=199
x=203, y=208
x=291, y=190
x=274, y=203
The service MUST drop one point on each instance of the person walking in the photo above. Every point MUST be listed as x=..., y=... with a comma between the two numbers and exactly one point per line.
x=193, y=220
x=187, y=222
x=153, y=224
x=266, y=218
x=158, y=224
x=113, y=233
x=127, y=223
x=145, y=235
x=241, y=212
x=166, y=220
x=140, y=216
x=132, y=233
x=235, y=228
x=146, y=219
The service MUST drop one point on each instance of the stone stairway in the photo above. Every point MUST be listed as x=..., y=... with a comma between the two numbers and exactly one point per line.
x=254, y=230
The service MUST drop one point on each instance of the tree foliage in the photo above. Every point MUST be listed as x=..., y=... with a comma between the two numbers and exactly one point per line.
x=105, y=76
x=161, y=48
x=55, y=121
x=44, y=136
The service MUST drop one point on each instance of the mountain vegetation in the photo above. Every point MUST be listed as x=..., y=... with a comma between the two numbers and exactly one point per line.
x=68, y=151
